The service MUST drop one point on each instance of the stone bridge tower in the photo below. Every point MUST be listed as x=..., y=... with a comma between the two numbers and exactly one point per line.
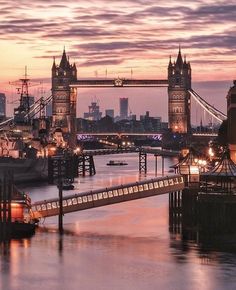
x=64, y=97
x=179, y=82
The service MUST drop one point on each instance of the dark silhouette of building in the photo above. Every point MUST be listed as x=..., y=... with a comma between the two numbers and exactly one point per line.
x=2, y=106
x=110, y=113
x=94, y=113
x=179, y=82
x=231, y=114
x=151, y=124
x=64, y=97
x=123, y=108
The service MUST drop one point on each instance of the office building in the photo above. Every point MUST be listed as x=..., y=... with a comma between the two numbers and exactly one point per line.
x=123, y=108
x=94, y=113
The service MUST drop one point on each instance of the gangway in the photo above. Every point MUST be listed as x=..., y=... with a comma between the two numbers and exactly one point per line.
x=107, y=196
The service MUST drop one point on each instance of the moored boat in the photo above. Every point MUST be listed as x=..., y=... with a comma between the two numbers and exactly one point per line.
x=67, y=186
x=116, y=163
x=23, y=222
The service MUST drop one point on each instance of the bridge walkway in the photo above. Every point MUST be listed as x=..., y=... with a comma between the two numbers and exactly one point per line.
x=106, y=196
x=160, y=152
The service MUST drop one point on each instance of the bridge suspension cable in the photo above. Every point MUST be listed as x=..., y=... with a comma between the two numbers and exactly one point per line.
x=215, y=113
x=39, y=105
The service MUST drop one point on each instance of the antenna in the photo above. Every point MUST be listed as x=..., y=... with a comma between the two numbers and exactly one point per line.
x=25, y=72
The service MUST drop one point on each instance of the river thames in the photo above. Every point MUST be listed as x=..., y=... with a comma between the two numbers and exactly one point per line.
x=122, y=246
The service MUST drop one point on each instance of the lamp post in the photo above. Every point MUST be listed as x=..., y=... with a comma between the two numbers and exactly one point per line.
x=190, y=173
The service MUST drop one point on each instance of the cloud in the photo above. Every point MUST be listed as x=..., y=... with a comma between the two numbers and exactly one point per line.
x=143, y=31
x=101, y=63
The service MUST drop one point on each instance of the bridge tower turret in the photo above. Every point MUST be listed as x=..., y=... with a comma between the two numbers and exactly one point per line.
x=179, y=82
x=64, y=97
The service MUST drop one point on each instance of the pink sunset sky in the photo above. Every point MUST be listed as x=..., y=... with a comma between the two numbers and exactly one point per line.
x=117, y=36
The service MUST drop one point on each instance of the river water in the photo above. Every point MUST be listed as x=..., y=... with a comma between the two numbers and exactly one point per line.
x=122, y=246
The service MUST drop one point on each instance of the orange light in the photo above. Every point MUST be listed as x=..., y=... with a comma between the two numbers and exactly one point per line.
x=14, y=204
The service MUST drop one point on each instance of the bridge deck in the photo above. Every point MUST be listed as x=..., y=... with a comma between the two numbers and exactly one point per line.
x=106, y=196
x=159, y=152
x=119, y=82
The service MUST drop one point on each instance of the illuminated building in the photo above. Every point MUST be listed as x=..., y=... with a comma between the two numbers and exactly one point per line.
x=179, y=82
x=64, y=97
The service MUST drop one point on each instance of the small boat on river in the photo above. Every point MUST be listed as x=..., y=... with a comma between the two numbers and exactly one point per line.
x=67, y=186
x=116, y=163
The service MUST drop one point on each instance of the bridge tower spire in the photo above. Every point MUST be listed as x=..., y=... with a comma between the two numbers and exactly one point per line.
x=179, y=82
x=64, y=97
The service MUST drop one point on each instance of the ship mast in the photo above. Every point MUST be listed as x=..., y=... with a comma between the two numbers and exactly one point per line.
x=24, y=95
x=21, y=113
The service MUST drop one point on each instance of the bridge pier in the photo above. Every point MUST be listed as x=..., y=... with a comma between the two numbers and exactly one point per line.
x=155, y=155
x=142, y=162
x=162, y=165
x=67, y=164
x=86, y=165
x=175, y=211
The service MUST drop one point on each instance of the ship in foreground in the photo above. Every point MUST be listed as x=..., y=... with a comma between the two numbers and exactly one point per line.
x=24, y=139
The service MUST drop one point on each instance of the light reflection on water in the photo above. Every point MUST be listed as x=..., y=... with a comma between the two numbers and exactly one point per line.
x=123, y=246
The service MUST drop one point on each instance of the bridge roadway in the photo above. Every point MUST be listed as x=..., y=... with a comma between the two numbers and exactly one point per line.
x=110, y=195
x=119, y=82
x=159, y=152
x=205, y=134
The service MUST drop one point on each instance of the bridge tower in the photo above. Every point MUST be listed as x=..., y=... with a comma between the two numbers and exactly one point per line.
x=179, y=82
x=64, y=97
x=231, y=114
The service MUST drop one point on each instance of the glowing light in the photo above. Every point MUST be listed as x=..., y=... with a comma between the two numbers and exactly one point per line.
x=77, y=150
x=194, y=169
x=210, y=152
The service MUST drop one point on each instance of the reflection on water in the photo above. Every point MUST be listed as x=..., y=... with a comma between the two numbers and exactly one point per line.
x=122, y=246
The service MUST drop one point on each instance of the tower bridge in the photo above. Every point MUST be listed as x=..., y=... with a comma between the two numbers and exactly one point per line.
x=65, y=85
x=179, y=85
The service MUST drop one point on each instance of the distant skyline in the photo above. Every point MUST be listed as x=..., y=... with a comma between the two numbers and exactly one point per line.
x=112, y=38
